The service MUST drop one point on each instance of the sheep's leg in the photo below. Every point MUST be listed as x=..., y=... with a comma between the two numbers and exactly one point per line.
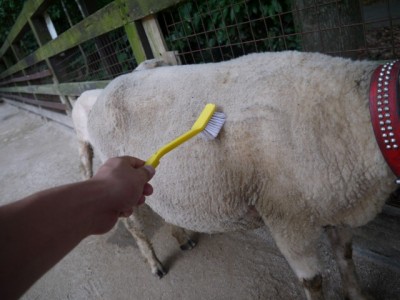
x=299, y=245
x=134, y=225
x=341, y=241
x=86, y=157
x=183, y=237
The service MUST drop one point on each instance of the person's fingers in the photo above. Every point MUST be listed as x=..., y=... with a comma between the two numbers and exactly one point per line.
x=147, y=172
x=141, y=200
x=151, y=170
x=139, y=164
x=147, y=189
x=126, y=213
x=133, y=161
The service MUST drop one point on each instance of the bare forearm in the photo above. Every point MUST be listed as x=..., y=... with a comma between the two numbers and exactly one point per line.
x=38, y=231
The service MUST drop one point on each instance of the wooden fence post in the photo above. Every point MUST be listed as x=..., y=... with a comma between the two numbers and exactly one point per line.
x=7, y=62
x=157, y=41
x=136, y=35
x=154, y=34
x=42, y=36
x=138, y=41
x=17, y=53
x=104, y=48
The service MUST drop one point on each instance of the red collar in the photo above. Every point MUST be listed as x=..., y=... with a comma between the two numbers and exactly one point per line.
x=384, y=106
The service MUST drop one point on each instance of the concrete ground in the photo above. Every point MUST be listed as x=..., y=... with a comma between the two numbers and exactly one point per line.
x=36, y=154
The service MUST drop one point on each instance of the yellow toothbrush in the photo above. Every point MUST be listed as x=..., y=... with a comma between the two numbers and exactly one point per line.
x=209, y=123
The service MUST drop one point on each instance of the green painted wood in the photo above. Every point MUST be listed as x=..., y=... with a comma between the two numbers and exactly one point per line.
x=39, y=30
x=134, y=41
x=29, y=9
x=139, y=9
x=103, y=21
x=38, y=75
x=77, y=88
x=4, y=47
x=70, y=89
x=55, y=116
x=48, y=104
x=110, y=17
x=42, y=36
x=6, y=61
x=48, y=89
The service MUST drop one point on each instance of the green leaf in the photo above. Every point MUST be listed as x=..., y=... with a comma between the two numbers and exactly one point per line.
x=276, y=5
x=232, y=15
x=186, y=11
x=211, y=42
x=225, y=12
x=196, y=22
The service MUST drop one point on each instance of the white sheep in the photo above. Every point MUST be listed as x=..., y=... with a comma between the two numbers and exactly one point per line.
x=297, y=152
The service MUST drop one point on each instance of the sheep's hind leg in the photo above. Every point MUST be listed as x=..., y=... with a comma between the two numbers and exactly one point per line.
x=341, y=242
x=299, y=245
x=135, y=227
x=86, y=157
x=183, y=237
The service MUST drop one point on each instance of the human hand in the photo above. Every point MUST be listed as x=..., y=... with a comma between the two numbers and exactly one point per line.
x=124, y=180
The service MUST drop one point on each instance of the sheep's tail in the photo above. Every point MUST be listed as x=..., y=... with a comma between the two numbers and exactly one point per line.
x=86, y=157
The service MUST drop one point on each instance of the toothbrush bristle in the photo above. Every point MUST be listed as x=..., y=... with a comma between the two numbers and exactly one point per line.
x=214, y=125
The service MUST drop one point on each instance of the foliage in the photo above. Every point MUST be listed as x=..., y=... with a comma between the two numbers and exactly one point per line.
x=212, y=30
x=9, y=11
x=59, y=16
x=63, y=14
x=224, y=29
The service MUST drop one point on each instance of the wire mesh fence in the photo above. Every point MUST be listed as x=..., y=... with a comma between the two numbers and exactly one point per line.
x=210, y=30
x=65, y=14
x=101, y=58
x=26, y=44
x=215, y=30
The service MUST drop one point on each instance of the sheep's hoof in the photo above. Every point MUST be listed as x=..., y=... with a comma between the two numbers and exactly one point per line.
x=160, y=271
x=189, y=245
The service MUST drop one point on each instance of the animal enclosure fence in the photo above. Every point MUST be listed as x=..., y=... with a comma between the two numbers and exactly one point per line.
x=57, y=49
x=204, y=31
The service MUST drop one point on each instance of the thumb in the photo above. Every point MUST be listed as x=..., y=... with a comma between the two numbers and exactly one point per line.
x=148, y=172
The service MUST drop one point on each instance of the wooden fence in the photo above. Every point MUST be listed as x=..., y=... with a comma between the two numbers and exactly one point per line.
x=34, y=82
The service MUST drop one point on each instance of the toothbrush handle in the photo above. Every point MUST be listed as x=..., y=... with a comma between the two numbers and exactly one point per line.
x=154, y=160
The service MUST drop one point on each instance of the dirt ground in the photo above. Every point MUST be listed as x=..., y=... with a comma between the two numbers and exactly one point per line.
x=36, y=154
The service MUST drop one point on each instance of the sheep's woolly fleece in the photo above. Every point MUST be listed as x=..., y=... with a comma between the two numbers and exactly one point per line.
x=80, y=113
x=297, y=147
